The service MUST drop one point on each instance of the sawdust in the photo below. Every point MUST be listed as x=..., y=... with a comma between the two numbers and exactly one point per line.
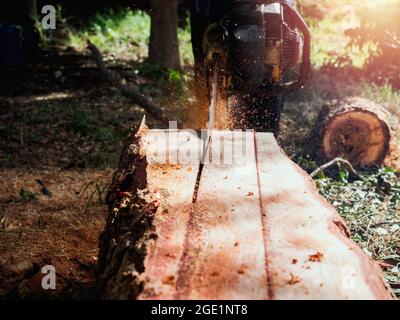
x=293, y=279
x=316, y=257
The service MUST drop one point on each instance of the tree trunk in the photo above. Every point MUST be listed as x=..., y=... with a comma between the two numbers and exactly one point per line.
x=355, y=129
x=164, y=45
x=31, y=8
x=257, y=229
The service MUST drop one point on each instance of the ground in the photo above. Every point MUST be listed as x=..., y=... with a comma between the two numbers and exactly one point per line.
x=39, y=230
x=62, y=128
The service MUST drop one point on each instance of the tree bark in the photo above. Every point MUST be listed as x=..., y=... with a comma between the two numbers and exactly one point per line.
x=256, y=230
x=355, y=129
x=164, y=45
x=31, y=8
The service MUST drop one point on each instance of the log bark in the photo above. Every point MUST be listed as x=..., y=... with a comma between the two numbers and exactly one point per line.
x=355, y=129
x=258, y=229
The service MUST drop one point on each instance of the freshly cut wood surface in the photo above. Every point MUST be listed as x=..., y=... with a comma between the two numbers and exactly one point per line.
x=224, y=251
x=175, y=184
x=257, y=230
x=355, y=129
x=309, y=253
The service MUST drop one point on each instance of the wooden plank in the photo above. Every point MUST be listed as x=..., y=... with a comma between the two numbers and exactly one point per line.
x=258, y=230
x=175, y=183
x=309, y=254
x=224, y=252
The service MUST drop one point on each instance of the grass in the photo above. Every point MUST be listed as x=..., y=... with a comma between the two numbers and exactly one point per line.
x=125, y=32
x=117, y=32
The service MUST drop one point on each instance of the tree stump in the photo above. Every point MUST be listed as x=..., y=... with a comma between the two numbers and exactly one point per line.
x=355, y=129
x=256, y=229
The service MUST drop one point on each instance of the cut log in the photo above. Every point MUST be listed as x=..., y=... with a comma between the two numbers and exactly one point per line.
x=355, y=129
x=258, y=228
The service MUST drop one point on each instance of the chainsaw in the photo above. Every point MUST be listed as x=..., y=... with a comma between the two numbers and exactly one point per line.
x=248, y=55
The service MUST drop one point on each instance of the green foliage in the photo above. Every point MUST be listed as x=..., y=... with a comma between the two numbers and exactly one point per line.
x=171, y=83
x=306, y=163
x=116, y=31
x=343, y=176
x=356, y=34
x=379, y=25
x=174, y=75
x=185, y=44
x=125, y=32
x=331, y=46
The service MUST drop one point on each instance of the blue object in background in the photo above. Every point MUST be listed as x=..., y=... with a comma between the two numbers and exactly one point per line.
x=10, y=44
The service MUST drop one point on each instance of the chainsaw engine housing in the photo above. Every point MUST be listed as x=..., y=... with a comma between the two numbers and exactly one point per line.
x=264, y=42
x=248, y=50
